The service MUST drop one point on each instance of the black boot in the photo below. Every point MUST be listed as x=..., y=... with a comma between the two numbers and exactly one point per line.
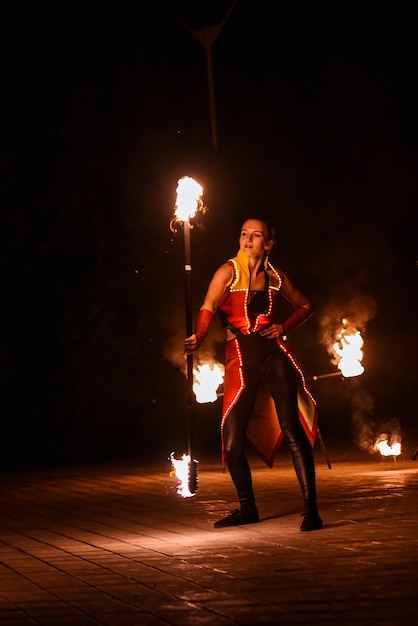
x=311, y=521
x=304, y=465
x=247, y=515
x=242, y=479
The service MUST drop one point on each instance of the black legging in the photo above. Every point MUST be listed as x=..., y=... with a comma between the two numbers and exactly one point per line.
x=280, y=377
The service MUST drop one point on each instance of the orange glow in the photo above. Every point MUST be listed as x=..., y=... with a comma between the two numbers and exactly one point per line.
x=188, y=201
x=207, y=379
x=348, y=350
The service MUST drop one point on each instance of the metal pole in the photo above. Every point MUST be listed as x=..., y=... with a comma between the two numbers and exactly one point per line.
x=192, y=477
x=323, y=448
x=211, y=89
x=316, y=377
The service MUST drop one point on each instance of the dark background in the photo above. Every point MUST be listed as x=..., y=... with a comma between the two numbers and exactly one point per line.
x=102, y=112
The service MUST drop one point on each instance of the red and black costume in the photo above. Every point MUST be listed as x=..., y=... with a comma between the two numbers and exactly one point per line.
x=265, y=395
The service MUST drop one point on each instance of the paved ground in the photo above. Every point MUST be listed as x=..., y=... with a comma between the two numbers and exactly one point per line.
x=116, y=545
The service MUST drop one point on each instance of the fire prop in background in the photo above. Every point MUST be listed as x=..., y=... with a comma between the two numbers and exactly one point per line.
x=347, y=356
x=385, y=448
x=349, y=350
x=345, y=344
x=189, y=204
x=348, y=353
x=207, y=379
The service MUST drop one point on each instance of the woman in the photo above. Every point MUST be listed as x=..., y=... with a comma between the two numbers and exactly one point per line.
x=265, y=396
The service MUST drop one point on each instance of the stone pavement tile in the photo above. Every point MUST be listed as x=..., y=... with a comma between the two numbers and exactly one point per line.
x=116, y=544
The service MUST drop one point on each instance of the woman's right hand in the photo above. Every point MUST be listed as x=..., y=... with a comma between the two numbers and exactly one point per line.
x=191, y=344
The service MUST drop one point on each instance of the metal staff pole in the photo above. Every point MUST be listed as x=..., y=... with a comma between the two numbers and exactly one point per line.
x=189, y=328
x=316, y=377
x=321, y=441
x=192, y=473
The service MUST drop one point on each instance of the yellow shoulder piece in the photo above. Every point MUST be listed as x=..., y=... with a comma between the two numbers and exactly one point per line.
x=242, y=273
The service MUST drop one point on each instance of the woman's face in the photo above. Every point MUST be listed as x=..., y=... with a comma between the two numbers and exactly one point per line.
x=254, y=239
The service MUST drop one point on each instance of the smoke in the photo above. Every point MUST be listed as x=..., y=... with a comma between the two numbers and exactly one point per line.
x=367, y=430
x=172, y=350
x=363, y=424
x=209, y=352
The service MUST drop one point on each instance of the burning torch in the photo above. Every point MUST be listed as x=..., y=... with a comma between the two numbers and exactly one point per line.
x=348, y=354
x=188, y=203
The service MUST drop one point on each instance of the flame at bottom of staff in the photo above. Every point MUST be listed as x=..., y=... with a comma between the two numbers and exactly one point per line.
x=386, y=449
x=185, y=470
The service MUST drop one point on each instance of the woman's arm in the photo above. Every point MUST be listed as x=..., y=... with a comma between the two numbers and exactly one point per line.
x=220, y=281
x=301, y=304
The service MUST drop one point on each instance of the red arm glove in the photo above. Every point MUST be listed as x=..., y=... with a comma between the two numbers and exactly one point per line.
x=299, y=316
x=203, y=320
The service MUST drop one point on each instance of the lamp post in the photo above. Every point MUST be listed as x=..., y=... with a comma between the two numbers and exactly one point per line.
x=207, y=36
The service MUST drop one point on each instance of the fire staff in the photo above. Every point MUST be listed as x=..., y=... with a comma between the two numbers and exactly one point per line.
x=265, y=394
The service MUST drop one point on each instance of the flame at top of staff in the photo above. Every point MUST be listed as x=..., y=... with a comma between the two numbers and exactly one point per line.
x=189, y=199
x=348, y=349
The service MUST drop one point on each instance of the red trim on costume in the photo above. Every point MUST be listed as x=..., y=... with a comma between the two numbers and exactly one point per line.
x=264, y=433
x=310, y=431
x=297, y=318
x=203, y=320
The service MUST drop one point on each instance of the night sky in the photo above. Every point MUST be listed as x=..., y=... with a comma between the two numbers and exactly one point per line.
x=102, y=112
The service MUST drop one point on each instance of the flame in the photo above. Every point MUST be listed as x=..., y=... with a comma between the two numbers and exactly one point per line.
x=386, y=449
x=348, y=349
x=189, y=200
x=207, y=380
x=181, y=469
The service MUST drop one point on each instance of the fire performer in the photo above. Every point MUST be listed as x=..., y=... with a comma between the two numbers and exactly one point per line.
x=265, y=395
